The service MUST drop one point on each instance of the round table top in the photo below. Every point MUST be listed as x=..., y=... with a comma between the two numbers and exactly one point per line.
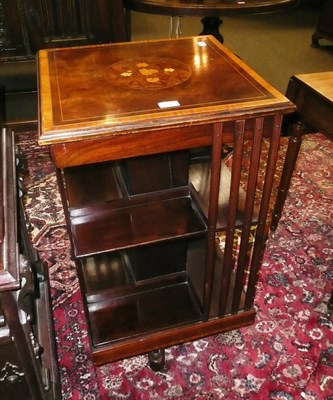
x=208, y=8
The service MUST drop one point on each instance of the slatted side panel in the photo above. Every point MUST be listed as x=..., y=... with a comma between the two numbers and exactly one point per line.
x=241, y=246
x=262, y=229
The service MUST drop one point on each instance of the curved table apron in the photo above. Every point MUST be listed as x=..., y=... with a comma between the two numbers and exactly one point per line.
x=211, y=10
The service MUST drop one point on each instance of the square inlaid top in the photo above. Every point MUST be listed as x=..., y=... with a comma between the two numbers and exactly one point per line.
x=86, y=92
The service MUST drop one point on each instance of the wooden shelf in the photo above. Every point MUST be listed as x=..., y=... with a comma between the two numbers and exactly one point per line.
x=142, y=313
x=118, y=205
x=102, y=211
x=122, y=272
x=108, y=181
x=104, y=229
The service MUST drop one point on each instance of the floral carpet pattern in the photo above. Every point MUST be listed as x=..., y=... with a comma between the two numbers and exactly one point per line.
x=287, y=354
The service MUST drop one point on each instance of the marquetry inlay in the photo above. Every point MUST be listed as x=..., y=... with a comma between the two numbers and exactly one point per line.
x=148, y=73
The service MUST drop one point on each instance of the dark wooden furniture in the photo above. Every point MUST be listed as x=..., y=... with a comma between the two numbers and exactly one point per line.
x=313, y=96
x=324, y=28
x=28, y=363
x=211, y=10
x=168, y=245
x=29, y=25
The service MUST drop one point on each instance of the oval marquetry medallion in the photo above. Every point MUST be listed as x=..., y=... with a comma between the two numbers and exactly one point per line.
x=148, y=73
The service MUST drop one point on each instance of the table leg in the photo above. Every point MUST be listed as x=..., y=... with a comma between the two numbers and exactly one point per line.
x=330, y=303
x=287, y=172
x=156, y=359
x=211, y=27
x=315, y=40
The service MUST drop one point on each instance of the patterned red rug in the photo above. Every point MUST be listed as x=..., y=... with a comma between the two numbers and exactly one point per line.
x=287, y=354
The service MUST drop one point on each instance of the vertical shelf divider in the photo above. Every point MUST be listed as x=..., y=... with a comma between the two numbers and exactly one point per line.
x=212, y=216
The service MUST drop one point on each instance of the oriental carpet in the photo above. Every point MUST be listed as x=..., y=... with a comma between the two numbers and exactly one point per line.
x=287, y=354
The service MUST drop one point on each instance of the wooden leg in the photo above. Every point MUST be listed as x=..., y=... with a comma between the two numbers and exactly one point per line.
x=211, y=27
x=330, y=303
x=287, y=172
x=156, y=359
x=315, y=40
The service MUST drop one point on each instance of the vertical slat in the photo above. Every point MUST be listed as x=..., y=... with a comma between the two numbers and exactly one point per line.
x=128, y=24
x=68, y=19
x=47, y=12
x=120, y=32
x=27, y=39
x=260, y=238
x=212, y=216
x=249, y=206
x=57, y=17
x=60, y=20
x=232, y=213
x=73, y=22
x=86, y=12
x=64, y=200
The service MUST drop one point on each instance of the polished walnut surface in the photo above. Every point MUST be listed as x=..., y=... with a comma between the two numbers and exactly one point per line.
x=101, y=90
x=320, y=82
x=211, y=8
x=136, y=131
x=313, y=97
